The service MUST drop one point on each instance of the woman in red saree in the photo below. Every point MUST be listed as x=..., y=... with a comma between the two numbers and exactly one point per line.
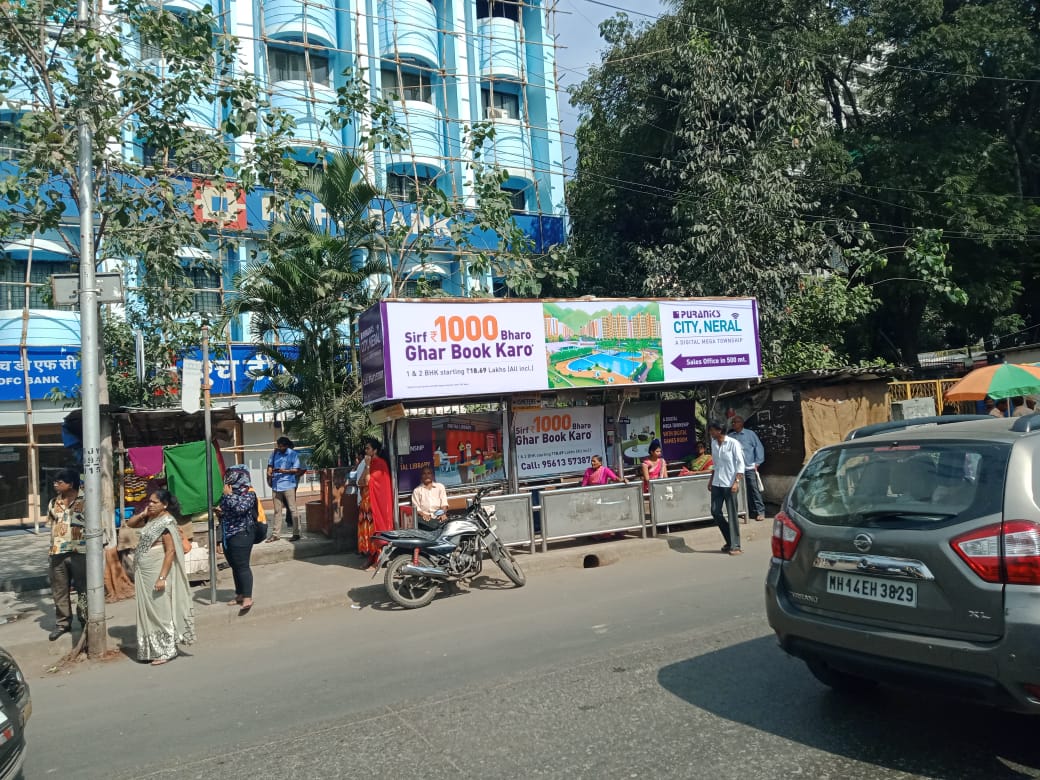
x=377, y=501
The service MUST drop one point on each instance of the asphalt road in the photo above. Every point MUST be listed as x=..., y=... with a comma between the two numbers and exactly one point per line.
x=657, y=667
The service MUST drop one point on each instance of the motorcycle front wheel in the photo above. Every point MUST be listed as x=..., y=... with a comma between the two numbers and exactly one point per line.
x=409, y=590
x=500, y=554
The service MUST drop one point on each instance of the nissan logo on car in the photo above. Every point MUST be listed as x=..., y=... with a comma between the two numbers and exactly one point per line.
x=862, y=542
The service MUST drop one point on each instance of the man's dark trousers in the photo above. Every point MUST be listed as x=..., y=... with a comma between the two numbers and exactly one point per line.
x=66, y=569
x=756, y=507
x=730, y=527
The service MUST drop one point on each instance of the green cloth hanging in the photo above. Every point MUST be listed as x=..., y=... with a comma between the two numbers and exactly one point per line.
x=186, y=475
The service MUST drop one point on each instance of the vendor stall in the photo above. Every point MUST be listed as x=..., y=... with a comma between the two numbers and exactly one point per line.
x=157, y=448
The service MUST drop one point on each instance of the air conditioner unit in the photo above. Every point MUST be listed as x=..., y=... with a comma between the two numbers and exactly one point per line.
x=496, y=113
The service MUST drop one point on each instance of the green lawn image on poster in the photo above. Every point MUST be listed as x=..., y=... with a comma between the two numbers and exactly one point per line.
x=597, y=344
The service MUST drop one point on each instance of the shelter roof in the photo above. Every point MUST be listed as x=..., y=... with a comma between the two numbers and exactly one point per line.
x=147, y=427
x=829, y=376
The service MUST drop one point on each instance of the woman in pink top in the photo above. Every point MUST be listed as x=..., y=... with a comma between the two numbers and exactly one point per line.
x=654, y=467
x=598, y=474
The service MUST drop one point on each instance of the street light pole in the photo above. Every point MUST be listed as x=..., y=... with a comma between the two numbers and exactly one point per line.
x=89, y=347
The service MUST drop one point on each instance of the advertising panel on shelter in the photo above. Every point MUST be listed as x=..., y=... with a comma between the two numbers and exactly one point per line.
x=450, y=348
x=467, y=449
x=371, y=355
x=557, y=441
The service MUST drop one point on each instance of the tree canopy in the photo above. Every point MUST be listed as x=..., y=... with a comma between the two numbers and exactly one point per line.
x=879, y=152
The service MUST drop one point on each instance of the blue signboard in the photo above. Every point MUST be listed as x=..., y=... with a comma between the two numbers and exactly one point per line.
x=48, y=368
x=51, y=367
x=239, y=370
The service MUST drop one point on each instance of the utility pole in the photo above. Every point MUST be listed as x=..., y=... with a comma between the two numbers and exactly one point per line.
x=208, y=426
x=89, y=357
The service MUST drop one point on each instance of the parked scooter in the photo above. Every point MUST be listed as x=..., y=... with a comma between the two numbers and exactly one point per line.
x=419, y=561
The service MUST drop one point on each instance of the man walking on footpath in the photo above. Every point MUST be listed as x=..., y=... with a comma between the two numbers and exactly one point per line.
x=68, y=559
x=754, y=456
x=728, y=460
x=283, y=475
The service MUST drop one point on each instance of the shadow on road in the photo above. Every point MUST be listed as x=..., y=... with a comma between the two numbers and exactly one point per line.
x=678, y=544
x=375, y=596
x=755, y=684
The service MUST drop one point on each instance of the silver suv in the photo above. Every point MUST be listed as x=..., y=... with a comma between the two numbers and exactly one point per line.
x=911, y=555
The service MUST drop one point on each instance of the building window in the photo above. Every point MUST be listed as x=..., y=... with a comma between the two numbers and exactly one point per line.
x=502, y=9
x=406, y=188
x=517, y=198
x=12, y=289
x=205, y=283
x=149, y=50
x=500, y=105
x=11, y=147
x=422, y=287
x=291, y=65
x=163, y=159
x=403, y=85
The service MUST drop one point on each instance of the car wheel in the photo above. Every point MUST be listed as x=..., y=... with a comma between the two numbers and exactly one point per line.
x=843, y=682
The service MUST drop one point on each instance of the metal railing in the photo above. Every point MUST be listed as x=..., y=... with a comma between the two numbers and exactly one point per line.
x=929, y=388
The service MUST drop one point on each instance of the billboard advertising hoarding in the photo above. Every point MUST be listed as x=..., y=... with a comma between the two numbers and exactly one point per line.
x=451, y=348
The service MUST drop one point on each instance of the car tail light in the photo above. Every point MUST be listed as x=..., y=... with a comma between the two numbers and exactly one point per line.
x=1003, y=552
x=786, y=536
x=1032, y=690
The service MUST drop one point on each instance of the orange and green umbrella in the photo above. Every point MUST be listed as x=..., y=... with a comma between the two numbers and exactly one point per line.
x=1004, y=380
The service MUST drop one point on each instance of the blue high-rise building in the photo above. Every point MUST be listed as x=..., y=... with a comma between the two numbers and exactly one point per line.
x=443, y=65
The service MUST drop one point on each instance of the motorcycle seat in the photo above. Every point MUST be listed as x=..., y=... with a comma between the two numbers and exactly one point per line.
x=416, y=534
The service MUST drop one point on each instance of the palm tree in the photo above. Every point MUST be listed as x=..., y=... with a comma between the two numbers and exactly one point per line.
x=309, y=292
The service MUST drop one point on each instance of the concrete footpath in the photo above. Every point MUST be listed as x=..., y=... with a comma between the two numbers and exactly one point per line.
x=292, y=579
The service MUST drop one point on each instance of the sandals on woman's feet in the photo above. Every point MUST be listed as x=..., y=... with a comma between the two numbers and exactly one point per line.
x=161, y=661
x=271, y=539
x=245, y=607
x=235, y=601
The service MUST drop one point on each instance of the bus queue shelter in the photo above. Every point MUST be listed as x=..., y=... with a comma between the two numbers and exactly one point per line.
x=524, y=392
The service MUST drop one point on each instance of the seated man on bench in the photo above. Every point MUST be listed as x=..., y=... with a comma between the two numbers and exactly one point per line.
x=427, y=500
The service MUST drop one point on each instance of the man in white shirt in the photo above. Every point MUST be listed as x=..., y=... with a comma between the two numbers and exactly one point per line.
x=728, y=469
x=428, y=497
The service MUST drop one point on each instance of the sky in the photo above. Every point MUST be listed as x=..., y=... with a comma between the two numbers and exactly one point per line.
x=579, y=45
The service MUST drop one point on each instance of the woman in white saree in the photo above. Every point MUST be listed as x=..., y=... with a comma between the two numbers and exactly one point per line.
x=165, y=616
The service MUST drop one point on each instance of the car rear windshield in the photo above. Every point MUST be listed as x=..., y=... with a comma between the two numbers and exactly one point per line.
x=902, y=484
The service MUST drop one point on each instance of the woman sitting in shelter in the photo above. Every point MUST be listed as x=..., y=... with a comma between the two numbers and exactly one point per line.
x=598, y=474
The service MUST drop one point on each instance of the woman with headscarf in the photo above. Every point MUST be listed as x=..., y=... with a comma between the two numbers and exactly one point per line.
x=238, y=516
x=165, y=617
x=654, y=467
x=377, y=501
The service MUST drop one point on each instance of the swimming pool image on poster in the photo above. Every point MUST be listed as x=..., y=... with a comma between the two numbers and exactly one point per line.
x=594, y=343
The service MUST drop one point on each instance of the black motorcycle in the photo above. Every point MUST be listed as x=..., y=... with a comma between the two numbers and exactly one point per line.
x=419, y=561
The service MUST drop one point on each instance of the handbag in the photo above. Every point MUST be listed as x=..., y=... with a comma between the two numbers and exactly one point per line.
x=259, y=520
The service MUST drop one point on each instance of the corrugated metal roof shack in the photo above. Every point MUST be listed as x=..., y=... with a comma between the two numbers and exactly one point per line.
x=797, y=414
